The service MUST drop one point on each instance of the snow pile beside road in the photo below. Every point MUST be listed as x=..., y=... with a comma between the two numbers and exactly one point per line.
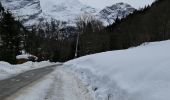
x=141, y=73
x=7, y=70
x=26, y=56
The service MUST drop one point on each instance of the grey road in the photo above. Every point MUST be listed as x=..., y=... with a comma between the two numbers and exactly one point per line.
x=12, y=85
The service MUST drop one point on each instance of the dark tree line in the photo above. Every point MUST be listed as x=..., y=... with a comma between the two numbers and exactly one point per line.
x=147, y=25
x=50, y=41
x=91, y=38
x=11, y=32
x=55, y=41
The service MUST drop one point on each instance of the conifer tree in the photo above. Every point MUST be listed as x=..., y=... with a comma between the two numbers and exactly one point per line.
x=10, y=34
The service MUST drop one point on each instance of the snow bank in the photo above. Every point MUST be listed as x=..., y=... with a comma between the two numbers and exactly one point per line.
x=8, y=70
x=140, y=73
x=25, y=56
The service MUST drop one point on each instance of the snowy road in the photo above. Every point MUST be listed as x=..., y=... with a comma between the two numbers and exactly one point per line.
x=12, y=85
x=61, y=84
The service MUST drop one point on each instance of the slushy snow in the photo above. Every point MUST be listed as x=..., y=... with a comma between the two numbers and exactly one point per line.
x=59, y=85
x=140, y=73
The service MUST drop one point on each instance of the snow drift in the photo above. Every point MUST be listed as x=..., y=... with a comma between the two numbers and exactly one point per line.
x=140, y=73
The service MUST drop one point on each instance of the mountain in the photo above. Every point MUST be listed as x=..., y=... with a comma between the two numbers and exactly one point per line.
x=25, y=10
x=149, y=24
x=33, y=11
x=65, y=10
x=118, y=10
x=100, y=4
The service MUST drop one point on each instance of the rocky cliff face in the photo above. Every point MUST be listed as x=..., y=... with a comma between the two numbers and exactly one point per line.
x=33, y=11
x=24, y=10
x=119, y=10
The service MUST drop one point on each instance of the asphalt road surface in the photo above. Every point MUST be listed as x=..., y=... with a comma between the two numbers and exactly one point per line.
x=12, y=85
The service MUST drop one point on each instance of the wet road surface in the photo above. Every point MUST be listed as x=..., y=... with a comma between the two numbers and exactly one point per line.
x=12, y=85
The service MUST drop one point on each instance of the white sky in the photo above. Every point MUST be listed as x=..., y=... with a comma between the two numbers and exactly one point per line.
x=103, y=3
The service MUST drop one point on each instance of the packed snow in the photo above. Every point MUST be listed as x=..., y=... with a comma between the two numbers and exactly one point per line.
x=35, y=91
x=7, y=70
x=26, y=56
x=140, y=73
x=59, y=85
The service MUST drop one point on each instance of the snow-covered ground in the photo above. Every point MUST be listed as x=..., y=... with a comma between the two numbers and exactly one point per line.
x=140, y=73
x=7, y=70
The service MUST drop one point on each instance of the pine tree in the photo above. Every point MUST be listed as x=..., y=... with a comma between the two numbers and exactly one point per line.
x=10, y=35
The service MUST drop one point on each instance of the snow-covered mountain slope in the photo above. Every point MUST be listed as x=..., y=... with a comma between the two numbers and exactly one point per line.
x=118, y=10
x=100, y=4
x=140, y=73
x=25, y=10
x=33, y=11
x=65, y=10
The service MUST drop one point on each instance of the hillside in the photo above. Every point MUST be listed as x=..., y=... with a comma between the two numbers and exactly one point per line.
x=149, y=24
